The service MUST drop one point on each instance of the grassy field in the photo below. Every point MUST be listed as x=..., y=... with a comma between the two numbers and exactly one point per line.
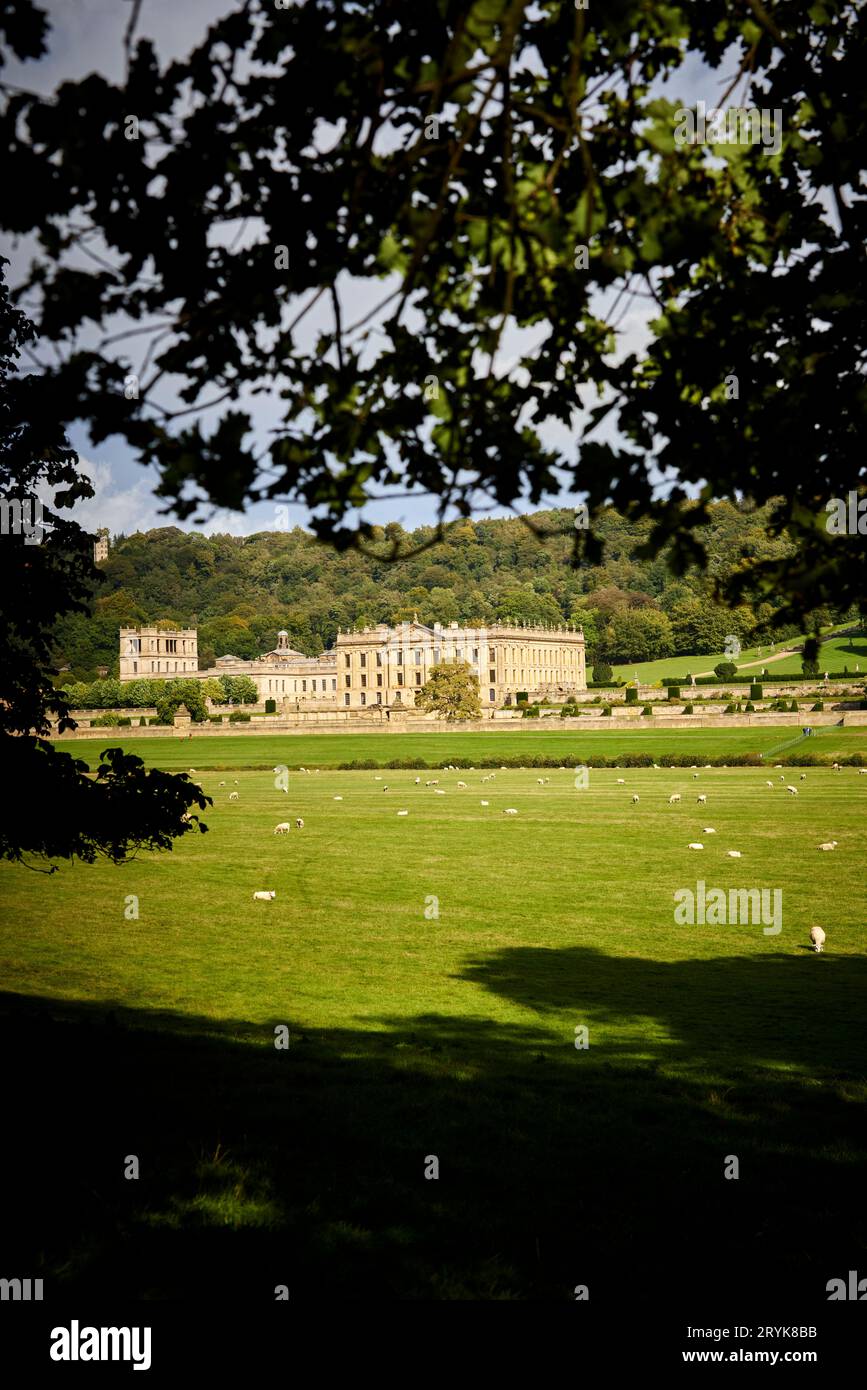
x=836, y=652
x=432, y=971
x=329, y=750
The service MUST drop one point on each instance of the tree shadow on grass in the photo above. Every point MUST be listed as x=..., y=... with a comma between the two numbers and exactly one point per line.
x=305, y=1167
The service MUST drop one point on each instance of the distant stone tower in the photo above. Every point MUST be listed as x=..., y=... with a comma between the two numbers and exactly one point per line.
x=100, y=547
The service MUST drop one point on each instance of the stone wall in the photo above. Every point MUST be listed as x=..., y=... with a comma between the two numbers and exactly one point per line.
x=614, y=724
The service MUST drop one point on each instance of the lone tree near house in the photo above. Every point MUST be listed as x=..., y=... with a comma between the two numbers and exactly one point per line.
x=452, y=691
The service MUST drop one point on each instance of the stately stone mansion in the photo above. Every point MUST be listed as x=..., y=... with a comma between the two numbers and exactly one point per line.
x=377, y=666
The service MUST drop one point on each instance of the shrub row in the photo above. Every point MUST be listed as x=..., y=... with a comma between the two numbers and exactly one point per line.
x=596, y=760
x=766, y=675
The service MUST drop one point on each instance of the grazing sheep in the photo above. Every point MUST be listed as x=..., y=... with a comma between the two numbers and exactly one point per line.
x=233, y=796
x=621, y=781
x=836, y=767
x=236, y=781
x=695, y=777
x=302, y=769
x=377, y=779
x=777, y=766
x=510, y=811
x=635, y=798
x=299, y=823
x=701, y=800
x=338, y=798
x=264, y=897
x=673, y=798
x=417, y=781
x=283, y=828
x=733, y=853
x=803, y=776
x=770, y=784
x=486, y=803
x=222, y=784
x=403, y=813
x=862, y=772
x=817, y=936
x=462, y=784
x=438, y=791
x=709, y=830
x=541, y=781
x=793, y=790
x=695, y=845
x=385, y=789
x=191, y=770
x=829, y=844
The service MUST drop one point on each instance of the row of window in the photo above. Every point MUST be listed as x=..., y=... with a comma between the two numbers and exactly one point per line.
x=279, y=686
x=399, y=654
x=348, y=680
x=166, y=666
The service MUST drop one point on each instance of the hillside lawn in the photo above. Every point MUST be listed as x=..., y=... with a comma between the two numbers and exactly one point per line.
x=530, y=737
x=835, y=653
x=414, y=1034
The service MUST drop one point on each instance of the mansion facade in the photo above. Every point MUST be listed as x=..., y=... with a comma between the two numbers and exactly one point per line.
x=378, y=667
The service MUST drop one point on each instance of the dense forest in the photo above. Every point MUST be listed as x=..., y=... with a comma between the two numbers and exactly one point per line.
x=239, y=591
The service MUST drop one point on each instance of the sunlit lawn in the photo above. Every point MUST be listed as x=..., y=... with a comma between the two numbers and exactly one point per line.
x=432, y=970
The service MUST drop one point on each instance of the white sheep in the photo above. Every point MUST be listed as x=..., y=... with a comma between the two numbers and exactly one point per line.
x=338, y=798
x=236, y=781
x=417, y=781
x=695, y=777
x=264, y=897
x=540, y=780
x=829, y=844
x=283, y=828
x=403, y=813
x=222, y=784
x=803, y=776
x=299, y=823
x=817, y=936
x=695, y=845
x=438, y=791
x=462, y=784
x=792, y=790
x=621, y=781
x=385, y=789
x=635, y=798
x=486, y=803
x=709, y=830
x=733, y=853
x=674, y=797
x=233, y=796
x=377, y=779
x=191, y=770
x=701, y=800
x=770, y=784
x=510, y=811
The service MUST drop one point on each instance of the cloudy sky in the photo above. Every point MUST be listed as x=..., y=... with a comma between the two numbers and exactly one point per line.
x=87, y=36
